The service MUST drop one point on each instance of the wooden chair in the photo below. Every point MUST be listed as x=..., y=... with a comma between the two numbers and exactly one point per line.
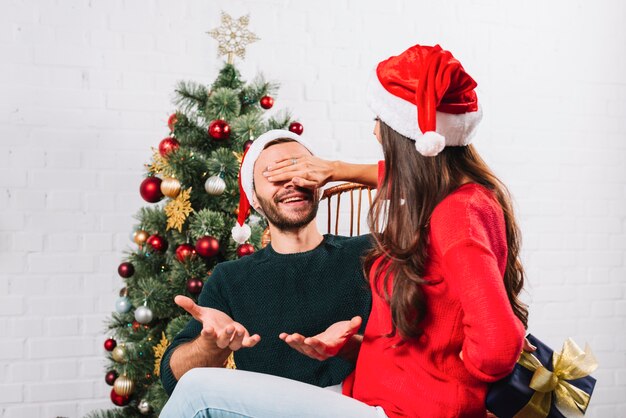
x=354, y=215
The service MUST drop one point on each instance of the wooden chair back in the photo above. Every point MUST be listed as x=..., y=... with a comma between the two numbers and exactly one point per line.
x=356, y=211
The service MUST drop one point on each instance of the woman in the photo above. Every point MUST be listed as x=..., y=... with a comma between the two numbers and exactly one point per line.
x=445, y=274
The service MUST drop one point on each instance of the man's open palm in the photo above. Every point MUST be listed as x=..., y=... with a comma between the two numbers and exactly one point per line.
x=326, y=344
x=217, y=327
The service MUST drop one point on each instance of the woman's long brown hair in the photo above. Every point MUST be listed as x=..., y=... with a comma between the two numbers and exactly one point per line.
x=413, y=185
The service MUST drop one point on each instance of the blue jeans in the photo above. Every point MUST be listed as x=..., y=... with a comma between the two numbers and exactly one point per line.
x=221, y=393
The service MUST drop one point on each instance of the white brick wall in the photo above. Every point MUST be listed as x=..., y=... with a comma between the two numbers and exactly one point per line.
x=85, y=89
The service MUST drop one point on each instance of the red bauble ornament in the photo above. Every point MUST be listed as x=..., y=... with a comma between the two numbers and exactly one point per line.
x=184, y=252
x=119, y=400
x=126, y=270
x=247, y=145
x=194, y=285
x=171, y=121
x=110, y=377
x=207, y=246
x=150, y=189
x=267, y=102
x=219, y=129
x=168, y=145
x=296, y=128
x=244, y=250
x=110, y=344
x=157, y=243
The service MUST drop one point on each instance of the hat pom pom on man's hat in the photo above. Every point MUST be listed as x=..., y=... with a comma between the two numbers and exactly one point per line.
x=241, y=233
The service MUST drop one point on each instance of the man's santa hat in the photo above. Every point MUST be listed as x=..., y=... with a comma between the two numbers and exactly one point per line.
x=241, y=231
x=426, y=95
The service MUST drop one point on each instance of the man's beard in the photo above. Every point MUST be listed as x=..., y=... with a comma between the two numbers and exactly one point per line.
x=297, y=220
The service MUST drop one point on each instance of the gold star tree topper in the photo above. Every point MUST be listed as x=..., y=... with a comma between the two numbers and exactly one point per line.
x=233, y=36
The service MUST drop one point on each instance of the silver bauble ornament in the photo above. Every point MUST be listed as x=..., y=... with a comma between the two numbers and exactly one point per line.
x=124, y=386
x=215, y=185
x=143, y=315
x=144, y=407
x=122, y=304
x=119, y=354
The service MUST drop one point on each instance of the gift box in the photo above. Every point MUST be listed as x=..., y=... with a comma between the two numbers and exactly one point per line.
x=545, y=383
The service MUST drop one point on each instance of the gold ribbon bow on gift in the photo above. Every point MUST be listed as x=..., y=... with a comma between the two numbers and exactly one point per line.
x=571, y=363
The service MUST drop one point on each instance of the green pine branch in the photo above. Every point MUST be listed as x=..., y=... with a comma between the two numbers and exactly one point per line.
x=247, y=127
x=191, y=132
x=190, y=95
x=126, y=412
x=152, y=219
x=280, y=120
x=229, y=77
x=207, y=222
x=223, y=103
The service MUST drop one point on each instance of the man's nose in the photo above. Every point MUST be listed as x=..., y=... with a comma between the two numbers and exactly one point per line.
x=289, y=184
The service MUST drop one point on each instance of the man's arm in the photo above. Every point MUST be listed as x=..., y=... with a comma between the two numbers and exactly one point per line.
x=201, y=352
x=219, y=337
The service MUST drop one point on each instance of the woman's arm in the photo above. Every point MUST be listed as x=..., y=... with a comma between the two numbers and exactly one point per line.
x=494, y=336
x=468, y=230
x=311, y=172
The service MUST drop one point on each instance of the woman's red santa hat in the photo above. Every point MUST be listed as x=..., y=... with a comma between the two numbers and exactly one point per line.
x=426, y=95
x=241, y=231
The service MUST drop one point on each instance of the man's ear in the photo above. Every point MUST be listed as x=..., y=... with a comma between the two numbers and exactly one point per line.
x=255, y=202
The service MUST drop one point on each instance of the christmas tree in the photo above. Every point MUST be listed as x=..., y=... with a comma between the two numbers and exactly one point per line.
x=192, y=185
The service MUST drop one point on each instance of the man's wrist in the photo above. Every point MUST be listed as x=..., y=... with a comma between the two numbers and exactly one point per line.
x=209, y=353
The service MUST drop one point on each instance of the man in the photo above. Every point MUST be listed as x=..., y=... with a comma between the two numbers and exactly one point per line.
x=298, y=285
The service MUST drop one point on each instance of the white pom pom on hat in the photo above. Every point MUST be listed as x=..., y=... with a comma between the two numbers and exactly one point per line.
x=241, y=233
x=426, y=95
x=430, y=144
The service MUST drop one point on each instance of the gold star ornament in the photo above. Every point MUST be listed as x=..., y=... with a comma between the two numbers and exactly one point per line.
x=159, y=350
x=233, y=36
x=177, y=210
x=158, y=165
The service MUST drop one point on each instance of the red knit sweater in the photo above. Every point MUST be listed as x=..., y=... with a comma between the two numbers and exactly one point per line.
x=467, y=311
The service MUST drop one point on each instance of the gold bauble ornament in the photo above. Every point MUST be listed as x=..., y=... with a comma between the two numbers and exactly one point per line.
x=119, y=354
x=140, y=237
x=124, y=386
x=170, y=187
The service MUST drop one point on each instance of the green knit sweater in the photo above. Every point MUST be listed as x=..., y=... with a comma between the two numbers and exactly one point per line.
x=270, y=293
